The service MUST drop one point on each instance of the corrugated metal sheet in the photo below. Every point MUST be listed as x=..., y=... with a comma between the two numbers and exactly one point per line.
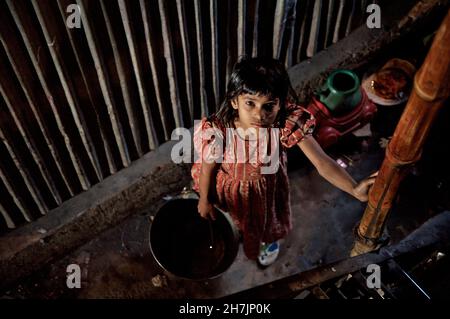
x=79, y=104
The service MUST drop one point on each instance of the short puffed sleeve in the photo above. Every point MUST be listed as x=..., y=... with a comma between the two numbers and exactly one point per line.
x=208, y=147
x=299, y=123
x=208, y=141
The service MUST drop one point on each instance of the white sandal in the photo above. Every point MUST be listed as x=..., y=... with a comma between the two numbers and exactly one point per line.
x=268, y=253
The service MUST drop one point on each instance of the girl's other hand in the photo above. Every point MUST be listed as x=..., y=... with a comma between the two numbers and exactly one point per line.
x=206, y=209
x=361, y=190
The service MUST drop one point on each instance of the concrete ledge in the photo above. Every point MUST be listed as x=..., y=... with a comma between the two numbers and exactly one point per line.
x=81, y=218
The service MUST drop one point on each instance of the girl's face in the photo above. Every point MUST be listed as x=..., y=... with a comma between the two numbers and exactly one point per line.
x=256, y=111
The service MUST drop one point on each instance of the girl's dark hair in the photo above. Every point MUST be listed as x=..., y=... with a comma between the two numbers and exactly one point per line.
x=259, y=76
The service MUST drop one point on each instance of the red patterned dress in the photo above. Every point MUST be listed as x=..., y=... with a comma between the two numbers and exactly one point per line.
x=258, y=203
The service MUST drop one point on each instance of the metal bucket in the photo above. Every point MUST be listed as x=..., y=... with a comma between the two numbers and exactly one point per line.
x=189, y=246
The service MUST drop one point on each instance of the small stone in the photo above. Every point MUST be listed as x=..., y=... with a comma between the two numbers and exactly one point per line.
x=159, y=281
x=41, y=231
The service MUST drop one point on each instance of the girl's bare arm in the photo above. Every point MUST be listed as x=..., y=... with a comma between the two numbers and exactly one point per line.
x=207, y=184
x=333, y=172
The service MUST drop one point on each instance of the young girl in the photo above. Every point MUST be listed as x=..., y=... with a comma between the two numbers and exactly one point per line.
x=260, y=98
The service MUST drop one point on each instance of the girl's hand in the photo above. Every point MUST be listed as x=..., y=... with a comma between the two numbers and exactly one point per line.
x=361, y=190
x=206, y=209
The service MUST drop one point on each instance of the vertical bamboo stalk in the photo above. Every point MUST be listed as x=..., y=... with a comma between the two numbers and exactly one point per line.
x=29, y=142
x=150, y=41
x=29, y=37
x=9, y=94
x=25, y=174
x=8, y=220
x=187, y=55
x=132, y=121
x=84, y=71
x=338, y=21
x=348, y=29
x=105, y=86
x=302, y=34
x=255, y=29
x=329, y=25
x=18, y=201
x=198, y=29
x=278, y=27
x=171, y=68
x=138, y=74
x=289, y=61
x=241, y=29
x=53, y=41
x=315, y=29
x=290, y=15
x=215, y=50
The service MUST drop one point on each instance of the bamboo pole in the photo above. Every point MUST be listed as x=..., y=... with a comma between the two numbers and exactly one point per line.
x=431, y=89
